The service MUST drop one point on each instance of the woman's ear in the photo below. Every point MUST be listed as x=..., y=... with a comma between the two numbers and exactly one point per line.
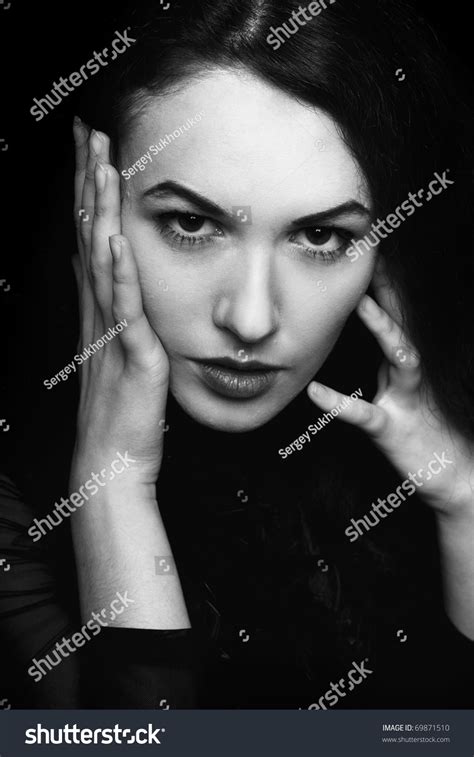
x=383, y=291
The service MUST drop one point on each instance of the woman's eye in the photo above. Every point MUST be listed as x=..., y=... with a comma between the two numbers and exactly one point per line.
x=323, y=242
x=189, y=223
x=186, y=229
x=318, y=236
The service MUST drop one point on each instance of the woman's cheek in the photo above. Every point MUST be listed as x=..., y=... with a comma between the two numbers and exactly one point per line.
x=153, y=272
x=358, y=280
x=163, y=303
x=176, y=309
x=344, y=292
x=328, y=306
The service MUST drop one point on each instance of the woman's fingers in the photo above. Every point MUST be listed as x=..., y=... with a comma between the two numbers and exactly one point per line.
x=404, y=362
x=385, y=293
x=98, y=148
x=106, y=223
x=138, y=338
x=370, y=418
x=81, y=141
x=76, y=266
x=86, y=297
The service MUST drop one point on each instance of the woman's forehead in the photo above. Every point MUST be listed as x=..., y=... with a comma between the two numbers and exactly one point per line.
x=250, y=138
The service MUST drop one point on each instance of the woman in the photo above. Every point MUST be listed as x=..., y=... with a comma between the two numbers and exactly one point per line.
x=238, y=248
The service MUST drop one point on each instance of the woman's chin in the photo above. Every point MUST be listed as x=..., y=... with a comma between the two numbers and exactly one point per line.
x=228, y=415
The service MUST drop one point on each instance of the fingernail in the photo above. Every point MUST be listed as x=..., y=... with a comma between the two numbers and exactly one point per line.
x=100, y=175
x=316, y=388
x=78, y=129
x=367, y=305
x=97, y=141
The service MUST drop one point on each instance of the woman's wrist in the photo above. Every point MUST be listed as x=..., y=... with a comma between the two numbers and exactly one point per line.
x=459, y=516
x=121, y=544
x=456, y=544
x=100, y=467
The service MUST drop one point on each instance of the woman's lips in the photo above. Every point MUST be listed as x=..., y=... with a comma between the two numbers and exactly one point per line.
x=237, y=382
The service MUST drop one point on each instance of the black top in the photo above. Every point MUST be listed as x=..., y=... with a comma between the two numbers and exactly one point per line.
x=234, y=656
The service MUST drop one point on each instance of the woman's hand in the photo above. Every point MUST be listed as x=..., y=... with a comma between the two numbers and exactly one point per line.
x=118, y=537
x=406, y=425
x=403, y=419
x=124, y=384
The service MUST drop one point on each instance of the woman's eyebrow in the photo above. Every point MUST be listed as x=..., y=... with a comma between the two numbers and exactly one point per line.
x=169, y=187
x=345, y=208
x=166, y=188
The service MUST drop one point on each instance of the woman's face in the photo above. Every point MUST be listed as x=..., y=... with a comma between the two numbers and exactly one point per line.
x=239, y=224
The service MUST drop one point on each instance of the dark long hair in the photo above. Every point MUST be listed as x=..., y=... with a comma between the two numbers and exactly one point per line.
x=401, y=132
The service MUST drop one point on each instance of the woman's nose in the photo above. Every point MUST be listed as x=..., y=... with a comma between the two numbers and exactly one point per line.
x=248, y=304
